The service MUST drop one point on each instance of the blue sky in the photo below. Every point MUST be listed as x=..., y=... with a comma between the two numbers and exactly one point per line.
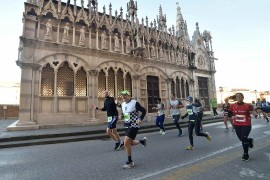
x=240, y=31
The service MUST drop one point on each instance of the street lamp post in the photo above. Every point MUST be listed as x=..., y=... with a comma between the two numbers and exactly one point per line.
x=221, y=90
x=255, y=95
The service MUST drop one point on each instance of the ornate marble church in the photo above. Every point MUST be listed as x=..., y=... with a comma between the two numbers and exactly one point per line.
x=70, y=52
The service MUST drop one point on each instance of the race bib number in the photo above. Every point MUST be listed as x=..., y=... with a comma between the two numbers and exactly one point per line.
x=189, y=111
x=240, y=118
x=109, y=118
x=126, y=117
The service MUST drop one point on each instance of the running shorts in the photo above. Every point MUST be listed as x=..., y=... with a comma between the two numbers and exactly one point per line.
x=112, y=120
x=131, y=132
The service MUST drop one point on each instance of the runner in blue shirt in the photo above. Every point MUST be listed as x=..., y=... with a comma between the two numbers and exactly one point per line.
x=194, y=122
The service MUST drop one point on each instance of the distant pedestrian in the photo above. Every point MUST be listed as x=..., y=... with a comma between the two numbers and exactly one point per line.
x=203, y=103
x=160, y=116
x=130, y=109
x=258, y=107
x=202, y=110
x=112, y=118
x=199, y=107
x=254, y=108
x=194, y=122
x=175, y=106
x=214, y=106
x=242, y=123
x=227, y=113
x=265, y=107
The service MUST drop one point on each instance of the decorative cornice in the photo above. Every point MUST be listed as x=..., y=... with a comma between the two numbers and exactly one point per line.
x=24, y=65
x=201, y=71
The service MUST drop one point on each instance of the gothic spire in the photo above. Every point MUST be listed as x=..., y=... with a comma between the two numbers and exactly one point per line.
x=179, y=21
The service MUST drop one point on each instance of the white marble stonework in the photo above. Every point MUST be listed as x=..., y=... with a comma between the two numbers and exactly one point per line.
x=69, y=54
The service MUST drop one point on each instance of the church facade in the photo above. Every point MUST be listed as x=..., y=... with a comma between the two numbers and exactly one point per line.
x=69, y=53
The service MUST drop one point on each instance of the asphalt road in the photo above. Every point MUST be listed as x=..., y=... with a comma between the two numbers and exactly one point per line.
x=164, y=157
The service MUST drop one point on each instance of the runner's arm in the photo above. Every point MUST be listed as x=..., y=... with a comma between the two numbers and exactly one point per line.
x=104, y=107
x=183, y=117
x=141, y=109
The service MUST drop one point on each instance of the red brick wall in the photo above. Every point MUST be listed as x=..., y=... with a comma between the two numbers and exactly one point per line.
x=12, y=111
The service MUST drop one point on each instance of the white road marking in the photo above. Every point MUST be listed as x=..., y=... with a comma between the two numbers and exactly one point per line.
x=251, y=173
x=190, y=162
x=267, y=132
x=256, y=126
x=268, y=155
x=212, y=124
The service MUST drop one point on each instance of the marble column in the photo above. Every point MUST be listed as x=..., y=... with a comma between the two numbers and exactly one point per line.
x=97, y=47
x=90, y=39
x=92, y=96
x=122, y=42
x=74, y=34
x=135, y=82
x=26, y=110
x=38, y=29
x=58, y=31
x=110, y=41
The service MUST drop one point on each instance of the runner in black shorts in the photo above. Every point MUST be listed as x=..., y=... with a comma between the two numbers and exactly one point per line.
x=227, y=114
x=130, y=109
x=112, y=113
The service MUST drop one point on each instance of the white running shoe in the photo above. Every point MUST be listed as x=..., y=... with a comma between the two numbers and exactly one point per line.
x=209, y=138
x=144, y=141
x=128, y=165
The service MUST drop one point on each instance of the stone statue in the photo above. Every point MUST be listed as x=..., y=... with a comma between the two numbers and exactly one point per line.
x=161, y=54
x=185, y=59
x=116, y=42
x=66, y=34
x=103, y=40
x=138, y=41
x=178, y=57
x=48, y=35
x=127, y=45
x=82, y=36
x=153, y=51
x=172, y=56
x=165, y=54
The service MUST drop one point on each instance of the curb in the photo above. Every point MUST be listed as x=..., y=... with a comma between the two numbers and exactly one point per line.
x=81, y=136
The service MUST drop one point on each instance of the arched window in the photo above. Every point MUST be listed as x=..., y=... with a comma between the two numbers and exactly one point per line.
x=81, y=83
x=172, y=87
x=47, y=81
x=111, y=82
x=183, y=88
x=178, y=87
x=187, y=88
x=120, y=82
x=65, y=81
x=101, y=83
x=128, y=83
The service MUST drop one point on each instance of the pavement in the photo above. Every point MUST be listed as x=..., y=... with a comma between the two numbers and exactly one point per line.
x=9, y=139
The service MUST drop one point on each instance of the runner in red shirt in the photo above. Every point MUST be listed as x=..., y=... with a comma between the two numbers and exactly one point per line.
x=242, y=123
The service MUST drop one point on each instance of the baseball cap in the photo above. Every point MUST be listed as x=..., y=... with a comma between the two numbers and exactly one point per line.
x=189, y=98
x=125, y=92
